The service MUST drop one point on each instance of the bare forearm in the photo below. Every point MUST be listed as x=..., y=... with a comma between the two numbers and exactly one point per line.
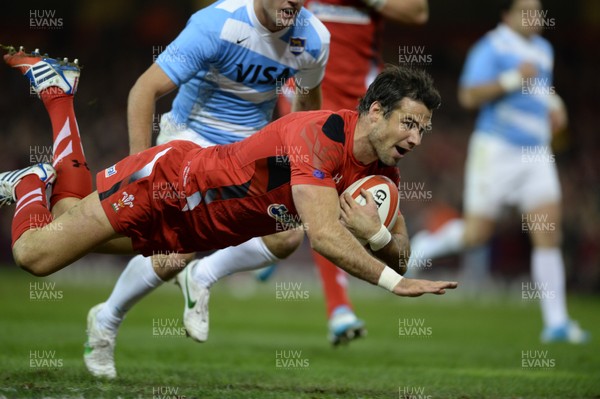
x=140, y=111
x=303, y=104
x=396, y=253
x=474, y=97
x=509, y=81
x=341, y=248
x=307, y=100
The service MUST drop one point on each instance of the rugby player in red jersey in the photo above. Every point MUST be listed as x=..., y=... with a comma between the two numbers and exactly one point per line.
x=356, y=28
x=224, y=195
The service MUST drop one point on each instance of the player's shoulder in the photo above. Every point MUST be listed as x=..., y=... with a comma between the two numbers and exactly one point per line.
x=303, y=117
x=323, y=122
x=486, y=42
x=216, y=14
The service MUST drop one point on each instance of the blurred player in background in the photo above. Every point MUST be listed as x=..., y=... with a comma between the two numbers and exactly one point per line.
x=226, y=64
x=356, y=29
x=508, y=78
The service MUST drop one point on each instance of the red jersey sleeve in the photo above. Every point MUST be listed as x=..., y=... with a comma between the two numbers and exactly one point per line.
x=313, y=156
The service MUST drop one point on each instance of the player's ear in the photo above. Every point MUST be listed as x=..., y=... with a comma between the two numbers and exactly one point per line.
x=375, y=111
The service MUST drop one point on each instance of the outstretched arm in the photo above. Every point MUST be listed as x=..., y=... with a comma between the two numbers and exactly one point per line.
x=319, y=210
x=363, y=222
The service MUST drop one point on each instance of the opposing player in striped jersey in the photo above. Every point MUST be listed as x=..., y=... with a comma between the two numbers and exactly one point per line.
x=227, y=64
x=508, y=77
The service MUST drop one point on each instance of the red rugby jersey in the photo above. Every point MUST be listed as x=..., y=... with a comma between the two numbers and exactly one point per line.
x=243, y=190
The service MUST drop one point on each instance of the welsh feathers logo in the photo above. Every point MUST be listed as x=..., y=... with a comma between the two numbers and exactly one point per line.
x=127, y=200
x=297, y=45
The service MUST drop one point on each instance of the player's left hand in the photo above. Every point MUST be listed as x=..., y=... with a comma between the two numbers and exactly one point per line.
x=413, y=287
x=361, y=220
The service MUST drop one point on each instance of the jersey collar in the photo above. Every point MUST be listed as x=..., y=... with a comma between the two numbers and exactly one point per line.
x=350, y=121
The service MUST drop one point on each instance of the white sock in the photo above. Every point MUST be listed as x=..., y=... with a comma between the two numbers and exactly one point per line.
x=137, y=280
x=447, y=240
x=250, y=255
x=548, y=273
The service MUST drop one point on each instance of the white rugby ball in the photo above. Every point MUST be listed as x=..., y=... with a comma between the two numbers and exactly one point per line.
x=385, y=194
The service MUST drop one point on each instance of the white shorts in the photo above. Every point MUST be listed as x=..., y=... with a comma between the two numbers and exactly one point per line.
x=171, y=130
x=499, y=174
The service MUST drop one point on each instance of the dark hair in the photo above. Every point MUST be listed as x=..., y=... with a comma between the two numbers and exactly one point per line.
x=505, y=5
x=396, y=83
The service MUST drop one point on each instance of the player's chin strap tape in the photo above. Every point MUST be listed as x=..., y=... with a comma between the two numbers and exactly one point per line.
x=380, y=239
x=389, y=279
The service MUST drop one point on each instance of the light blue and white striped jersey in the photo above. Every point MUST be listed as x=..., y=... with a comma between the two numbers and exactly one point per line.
x=521, y=117
x=228, y=66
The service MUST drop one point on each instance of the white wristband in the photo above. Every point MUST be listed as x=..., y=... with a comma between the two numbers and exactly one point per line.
x=511, y=80
x=389, y=279
x=376, y=4
x=380, y=239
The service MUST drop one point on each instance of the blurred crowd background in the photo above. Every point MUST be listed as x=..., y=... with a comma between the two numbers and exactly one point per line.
x=116, y=41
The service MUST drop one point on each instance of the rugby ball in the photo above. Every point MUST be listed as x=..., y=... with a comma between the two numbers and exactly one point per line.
x=385, y=194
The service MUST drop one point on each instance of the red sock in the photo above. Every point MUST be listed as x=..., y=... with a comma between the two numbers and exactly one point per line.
x=73, y=177
x=31, y=210
x=334, y=283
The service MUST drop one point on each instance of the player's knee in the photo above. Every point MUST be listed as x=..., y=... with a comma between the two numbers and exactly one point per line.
x=29, y=260
x=285, y=243
x=173, y=261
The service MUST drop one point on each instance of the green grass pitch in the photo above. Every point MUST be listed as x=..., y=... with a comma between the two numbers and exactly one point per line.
x=261, y=346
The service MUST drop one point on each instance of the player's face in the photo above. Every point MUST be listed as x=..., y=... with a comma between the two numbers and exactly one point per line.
x=395, y=136
x=525, y=17
x=277, y=14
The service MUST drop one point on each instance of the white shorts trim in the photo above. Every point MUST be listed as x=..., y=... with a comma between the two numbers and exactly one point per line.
x=171, y=130
x=499, y=174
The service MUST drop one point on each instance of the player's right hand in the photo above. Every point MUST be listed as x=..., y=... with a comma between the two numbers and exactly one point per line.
x=362, y=221
x=413, y=287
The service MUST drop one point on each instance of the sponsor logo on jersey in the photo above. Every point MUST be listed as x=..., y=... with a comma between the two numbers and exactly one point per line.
x=127, y=200
x=285, y=220
x=297, y=45
x=278, y=212
x=110, y=171
x=318, y=174
x=337, y=178
x=254, y=73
